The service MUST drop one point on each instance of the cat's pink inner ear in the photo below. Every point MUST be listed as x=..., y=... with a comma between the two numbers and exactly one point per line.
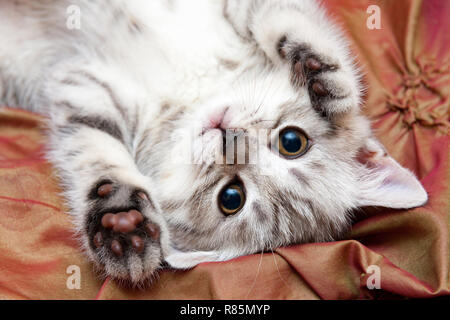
x=385, y=182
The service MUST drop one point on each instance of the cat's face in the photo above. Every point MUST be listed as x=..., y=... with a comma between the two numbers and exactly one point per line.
x=291, y=176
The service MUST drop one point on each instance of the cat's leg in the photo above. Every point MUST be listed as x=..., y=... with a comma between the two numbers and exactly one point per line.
x=112, y=202
x=298, y=33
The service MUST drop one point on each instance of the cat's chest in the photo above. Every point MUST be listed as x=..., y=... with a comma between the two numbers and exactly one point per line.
x=202, y=76
x=192, y=52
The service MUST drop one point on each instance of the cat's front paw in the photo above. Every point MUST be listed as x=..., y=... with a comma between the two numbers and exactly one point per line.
x=333, y=87
x=125, y=233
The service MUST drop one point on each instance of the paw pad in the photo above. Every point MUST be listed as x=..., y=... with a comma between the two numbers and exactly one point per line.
x=313, y=64
x=319, y=89
x=116, y=248
x=123, y=222
x=125, y=229
x=137, y=243
x=104, y=190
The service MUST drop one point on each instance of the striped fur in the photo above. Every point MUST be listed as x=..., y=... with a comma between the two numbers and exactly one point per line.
x=124, y=92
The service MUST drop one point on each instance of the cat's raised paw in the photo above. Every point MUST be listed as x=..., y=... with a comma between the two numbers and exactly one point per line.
x=124, y=231
x=332, y=88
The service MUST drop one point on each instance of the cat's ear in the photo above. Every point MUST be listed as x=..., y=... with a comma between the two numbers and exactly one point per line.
x=386, y=183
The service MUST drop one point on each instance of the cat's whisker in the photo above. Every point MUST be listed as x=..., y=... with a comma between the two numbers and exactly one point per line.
x=278, y=269
x=256, y=276
x=143, y=99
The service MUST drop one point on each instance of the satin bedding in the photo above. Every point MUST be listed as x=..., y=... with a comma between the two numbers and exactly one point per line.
x=407, y=70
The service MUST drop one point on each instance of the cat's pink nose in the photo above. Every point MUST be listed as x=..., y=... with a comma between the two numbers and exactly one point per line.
x=218, y=120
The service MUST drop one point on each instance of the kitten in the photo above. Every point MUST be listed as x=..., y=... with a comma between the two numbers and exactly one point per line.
x=143, y=83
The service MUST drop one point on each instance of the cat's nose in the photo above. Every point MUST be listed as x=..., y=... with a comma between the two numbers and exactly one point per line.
x=218, y=120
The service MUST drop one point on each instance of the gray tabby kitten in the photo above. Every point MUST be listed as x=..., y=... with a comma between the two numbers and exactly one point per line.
x=140, y=81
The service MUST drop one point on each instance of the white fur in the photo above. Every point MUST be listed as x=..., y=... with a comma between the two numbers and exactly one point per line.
x=213, y=59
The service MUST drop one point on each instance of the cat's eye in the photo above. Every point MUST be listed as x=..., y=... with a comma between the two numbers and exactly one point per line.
x=292, y=143
x=231, y=199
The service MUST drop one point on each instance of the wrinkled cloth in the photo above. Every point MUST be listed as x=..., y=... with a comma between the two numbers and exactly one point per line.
x=407, y=71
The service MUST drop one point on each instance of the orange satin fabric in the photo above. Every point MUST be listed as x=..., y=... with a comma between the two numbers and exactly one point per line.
x=407, y=70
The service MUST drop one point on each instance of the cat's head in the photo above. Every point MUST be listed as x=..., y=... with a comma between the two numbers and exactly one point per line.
x=293, y=175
